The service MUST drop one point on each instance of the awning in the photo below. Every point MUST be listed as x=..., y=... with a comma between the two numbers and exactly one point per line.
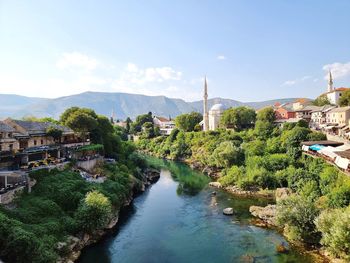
x=316, y=147
x=344, y=147
x=345, y=128
x=305, y=148
x=342, y=162
x=328, y=151
x=329, y=127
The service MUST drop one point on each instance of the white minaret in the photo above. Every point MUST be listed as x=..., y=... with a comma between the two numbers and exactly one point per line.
x=330, y=82
x=205, y=106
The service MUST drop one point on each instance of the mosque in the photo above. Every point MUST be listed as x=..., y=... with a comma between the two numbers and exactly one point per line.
x=211, y=118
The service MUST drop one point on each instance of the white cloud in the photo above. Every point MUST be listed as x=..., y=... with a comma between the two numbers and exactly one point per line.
x=221, y=57
x=135, y=75
x=296, y=81
x=76, y=60
x=76, y=72
x=339, y=70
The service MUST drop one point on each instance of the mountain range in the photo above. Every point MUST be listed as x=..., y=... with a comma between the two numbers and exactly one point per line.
x=123, y=104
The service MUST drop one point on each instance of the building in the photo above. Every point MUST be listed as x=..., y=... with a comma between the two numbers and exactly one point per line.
x=7, y=140
x=333, y=94
x=215, y=114
x=32, y=133
x=205, y=107
x=301, y=103
x=25, y=141
x=165, y=125
x=285, y=112
x=338, y=116
x=318, y=116
x=211, y=118
x=305, y=113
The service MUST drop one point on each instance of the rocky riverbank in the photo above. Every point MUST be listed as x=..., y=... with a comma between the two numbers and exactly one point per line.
x=72, y=247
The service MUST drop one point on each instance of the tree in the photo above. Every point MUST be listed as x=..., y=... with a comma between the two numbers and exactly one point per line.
x=187, y=122
x=297, y=215
x=266, y=114
x=238, y=118
x=81, y=122
x=321, y=101
x=140, y=120
x=70, y=111
x=128, y=124
x=55, y=133
x=94, y=212
x=148, y=130
x=226, y=155
x=334, y=224
x=345, y=98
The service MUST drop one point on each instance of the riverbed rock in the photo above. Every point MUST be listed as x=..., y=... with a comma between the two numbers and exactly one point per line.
x=267, y=213
x=215, y=184
x=283, y=193
x=281, y=248
x=228, y=211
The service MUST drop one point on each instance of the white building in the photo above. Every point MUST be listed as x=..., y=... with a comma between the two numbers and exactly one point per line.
x=318, y=116
x=211, y=118
x=165, y=125
x=334, y=94
x=215, y=114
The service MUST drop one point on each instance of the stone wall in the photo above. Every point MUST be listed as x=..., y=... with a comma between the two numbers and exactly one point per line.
x=89, y=165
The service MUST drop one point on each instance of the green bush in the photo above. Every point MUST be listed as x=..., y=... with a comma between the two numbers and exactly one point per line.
x=297, y=216
x=334, y=225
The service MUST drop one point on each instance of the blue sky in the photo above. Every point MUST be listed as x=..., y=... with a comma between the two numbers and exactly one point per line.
x=249, y=50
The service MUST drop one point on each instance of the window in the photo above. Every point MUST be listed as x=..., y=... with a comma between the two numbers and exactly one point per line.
x=42, y=142
x=11, y=147
x=34, y=142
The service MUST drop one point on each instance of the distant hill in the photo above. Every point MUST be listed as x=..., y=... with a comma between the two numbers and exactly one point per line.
x=104, y=103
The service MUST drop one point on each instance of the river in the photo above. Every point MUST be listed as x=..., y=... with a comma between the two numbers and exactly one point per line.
x=179, y=220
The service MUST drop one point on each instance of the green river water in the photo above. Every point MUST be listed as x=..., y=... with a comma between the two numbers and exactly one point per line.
x=179, y=220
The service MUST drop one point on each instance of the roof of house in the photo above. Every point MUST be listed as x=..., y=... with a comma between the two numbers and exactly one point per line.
x=5, y=128
x=336, y=89
x=310, y=108
x=40, y=127
x=162, y=119
x=302, y=100
x=339, y=109
x=324, y=108
x=344, y=154
x=286, y=107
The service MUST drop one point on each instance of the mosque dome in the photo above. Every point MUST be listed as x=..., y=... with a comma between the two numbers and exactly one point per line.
x=218, y=107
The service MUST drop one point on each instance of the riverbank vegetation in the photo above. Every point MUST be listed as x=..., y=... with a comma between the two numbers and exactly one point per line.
x=35, y=227
x=258, y=155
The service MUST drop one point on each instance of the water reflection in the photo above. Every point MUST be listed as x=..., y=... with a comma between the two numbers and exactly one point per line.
x=163, y=226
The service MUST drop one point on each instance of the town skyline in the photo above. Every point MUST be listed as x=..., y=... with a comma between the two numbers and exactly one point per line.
x=160, y=49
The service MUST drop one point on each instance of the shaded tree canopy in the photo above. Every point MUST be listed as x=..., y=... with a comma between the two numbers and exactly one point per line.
x=239, y=118
x=187, y=122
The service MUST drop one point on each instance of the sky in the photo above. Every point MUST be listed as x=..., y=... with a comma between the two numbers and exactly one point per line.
x=250, y=50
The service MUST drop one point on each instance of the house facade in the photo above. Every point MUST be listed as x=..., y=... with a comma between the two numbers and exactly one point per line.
x=334, y=95
x=284, y=112
x=318, y=116
x=165, y=125
x=339, y=116
x=7, y=140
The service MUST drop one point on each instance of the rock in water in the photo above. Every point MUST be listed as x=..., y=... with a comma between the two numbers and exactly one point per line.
x=228, y=211
x=215, y=184
x=281, y=248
